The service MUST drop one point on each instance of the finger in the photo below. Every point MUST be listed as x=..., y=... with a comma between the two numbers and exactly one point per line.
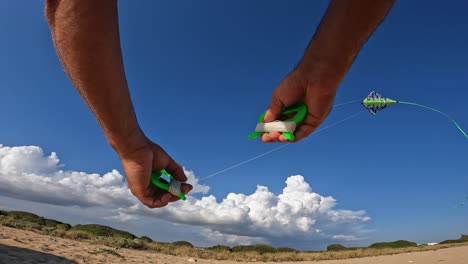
x=185, y=188
x=266, y=138
x=176, y=171
x=155, y=198
x=282, y=139
x=304, y=131
x=174, y=199
x=306, y=128
x=319, y=109
x=172, y=167
x=162, y=200
x=274, y=136
x=274, y=109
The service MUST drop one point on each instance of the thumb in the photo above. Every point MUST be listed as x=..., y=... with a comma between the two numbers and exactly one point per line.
x=162, y=160
x=176, y=171
x=273, y=110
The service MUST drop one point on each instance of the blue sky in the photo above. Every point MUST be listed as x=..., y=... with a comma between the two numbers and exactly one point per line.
x=198, y=64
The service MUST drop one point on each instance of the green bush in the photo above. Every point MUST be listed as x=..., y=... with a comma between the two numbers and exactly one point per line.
x=78, y=235
x=21, y=224
x=26, y=217
x=104, y=231
x=25, y=220
x=63, y=227
x=55, y=223
x=242, y=248
x=286, y=249
x=5, y=221
x=126, y=243
x=146, y=239
x=462, y=239
x=336, y=247
x=260, y=248
x=59, y=233
x=394, y=244
x=219, y=248
x=452, y=241
x=183, y=244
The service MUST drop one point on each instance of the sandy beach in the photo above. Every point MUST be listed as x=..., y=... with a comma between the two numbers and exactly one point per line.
x=20, y=246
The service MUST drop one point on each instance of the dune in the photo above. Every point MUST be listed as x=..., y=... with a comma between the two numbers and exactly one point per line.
x=22, y=246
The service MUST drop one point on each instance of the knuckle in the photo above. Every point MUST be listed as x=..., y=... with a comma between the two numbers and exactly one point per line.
x=147, y=203
x=315, y=121
x=151, y=205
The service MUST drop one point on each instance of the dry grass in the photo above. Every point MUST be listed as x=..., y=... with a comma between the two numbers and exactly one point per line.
x=287, y=256
x=224, y=254
x=121, y=239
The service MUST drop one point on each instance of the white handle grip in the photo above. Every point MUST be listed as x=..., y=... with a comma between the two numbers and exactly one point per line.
x=280, y=126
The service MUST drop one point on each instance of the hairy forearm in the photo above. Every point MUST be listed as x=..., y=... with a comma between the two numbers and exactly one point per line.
x=86, y=38
x=342, y=32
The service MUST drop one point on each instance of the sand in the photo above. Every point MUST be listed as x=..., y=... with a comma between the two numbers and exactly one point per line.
x=20, y=246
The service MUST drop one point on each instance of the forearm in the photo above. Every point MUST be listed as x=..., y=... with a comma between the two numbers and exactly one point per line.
x=86, y=37
x=342, y=32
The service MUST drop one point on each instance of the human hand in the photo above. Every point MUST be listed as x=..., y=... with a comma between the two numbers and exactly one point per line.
x=142, y=157
x=302, y=85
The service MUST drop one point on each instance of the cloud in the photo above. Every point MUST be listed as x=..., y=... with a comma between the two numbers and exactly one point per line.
x=26, y=173
x=346, y=238
x=217, y=237
x=197, y=187
x=296, y=214
x=122, y=217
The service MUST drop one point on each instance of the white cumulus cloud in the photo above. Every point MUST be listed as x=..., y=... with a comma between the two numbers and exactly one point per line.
x=197, y=187
x=26, y=173
x=296, y=214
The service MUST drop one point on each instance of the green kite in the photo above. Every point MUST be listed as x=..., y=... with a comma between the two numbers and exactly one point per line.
x=375, y=102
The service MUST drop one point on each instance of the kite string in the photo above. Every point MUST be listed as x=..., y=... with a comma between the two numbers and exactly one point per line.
x=280, y=147
x=350, y=102
x=275, y=149
x=440, y=112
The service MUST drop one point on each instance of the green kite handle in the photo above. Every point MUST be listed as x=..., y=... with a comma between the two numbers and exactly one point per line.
x=301, y=112
x=156, y=181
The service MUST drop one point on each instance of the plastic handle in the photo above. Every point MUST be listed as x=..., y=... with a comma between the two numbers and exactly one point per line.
x=156, y=181
x=301, y=112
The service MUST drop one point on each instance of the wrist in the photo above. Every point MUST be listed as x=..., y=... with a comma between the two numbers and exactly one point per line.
x=129, y=142
x=321, y=72
x=320, y=66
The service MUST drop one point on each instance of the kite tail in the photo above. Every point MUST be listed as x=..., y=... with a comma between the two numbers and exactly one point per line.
x=440, y=112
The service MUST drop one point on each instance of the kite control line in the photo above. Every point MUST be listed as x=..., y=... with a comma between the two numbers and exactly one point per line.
x=172, y=187
x=375, y=102
x=282, y=146
x=286, y=127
